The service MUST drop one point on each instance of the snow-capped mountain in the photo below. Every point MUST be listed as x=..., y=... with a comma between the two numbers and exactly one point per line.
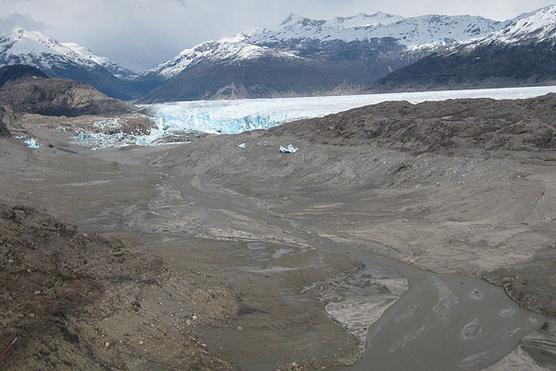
x=114, y=68
x=415, y=32
x=522, y=53
x=303, y=56
x=70, y=61
x=359, y=20
x=39, y=50
x=296, y=27
x=533, y=27
x=217, y=51
x=335, y=55
x=297, y=33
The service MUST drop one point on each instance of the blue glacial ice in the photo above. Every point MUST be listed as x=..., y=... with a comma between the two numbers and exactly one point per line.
x=237, y=116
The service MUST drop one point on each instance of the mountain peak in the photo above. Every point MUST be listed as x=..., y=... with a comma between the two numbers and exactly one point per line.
x=26, y=45
x=292, y=18
x=39, y=50
x=529, y=27
x=366, y=20
x=22, y=33
x=231, y=50
x=428, y=31
x=358, y=20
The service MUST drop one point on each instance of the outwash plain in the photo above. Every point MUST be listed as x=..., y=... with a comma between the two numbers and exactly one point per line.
x=397, y=237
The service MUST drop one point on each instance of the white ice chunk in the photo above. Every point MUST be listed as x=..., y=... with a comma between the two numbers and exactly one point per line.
x=32, y=143
x=289, y=149
x=108, y=124
x=242, y=146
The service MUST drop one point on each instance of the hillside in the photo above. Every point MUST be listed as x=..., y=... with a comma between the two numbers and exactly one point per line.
x=70, y=61
x=520, y=54
x=439, y=127
x=33, y=93
x=305, y=56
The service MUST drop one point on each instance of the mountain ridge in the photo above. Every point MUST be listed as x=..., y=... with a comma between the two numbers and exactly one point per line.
x=335, y=54
x=304, y=56
x=70, y=61
x=523, y=53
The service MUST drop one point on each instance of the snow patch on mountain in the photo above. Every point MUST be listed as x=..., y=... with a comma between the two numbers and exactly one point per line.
x=36, y=49
x=437, y=30
x=217, y=51
x=359, y=20
x=112, y=67
x=532, y=27
x=86, y=53
x=364, y=20
x=418, y=32
x=414, y=32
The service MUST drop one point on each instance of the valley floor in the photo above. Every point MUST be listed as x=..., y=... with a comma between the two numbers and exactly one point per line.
x=339, y=257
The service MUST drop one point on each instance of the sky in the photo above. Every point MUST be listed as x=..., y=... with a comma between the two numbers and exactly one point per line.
x=143, y=33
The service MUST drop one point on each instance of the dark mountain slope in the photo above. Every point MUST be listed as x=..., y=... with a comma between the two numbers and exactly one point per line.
x=4, y=116
x=523, y=53
x=70, y=61
x=105, y=82
x=310, y=57
x=485, y=66
x=271, y=76
x=14, y=72
x=58, y=97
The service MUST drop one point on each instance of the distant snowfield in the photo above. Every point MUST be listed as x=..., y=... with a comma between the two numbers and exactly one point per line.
x=237, y=116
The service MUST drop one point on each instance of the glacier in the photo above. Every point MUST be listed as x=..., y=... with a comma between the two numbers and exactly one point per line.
x=237, y=116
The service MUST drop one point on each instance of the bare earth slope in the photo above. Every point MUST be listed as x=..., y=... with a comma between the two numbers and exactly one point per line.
x=453, y=187
x=473, y=181
x=73, y=301
x=5, y=116
x=440, y=127
x=58, y=97
x=366, y=245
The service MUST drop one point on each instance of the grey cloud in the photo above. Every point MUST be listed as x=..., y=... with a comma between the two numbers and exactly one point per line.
x=11, y=21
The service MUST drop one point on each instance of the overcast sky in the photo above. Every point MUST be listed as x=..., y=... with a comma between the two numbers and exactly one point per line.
x=143, y=33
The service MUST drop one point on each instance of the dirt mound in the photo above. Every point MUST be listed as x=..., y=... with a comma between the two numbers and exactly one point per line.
x=447, y=126
x=58, y=97
x=530, y=283
x=4, y=132
x=7, y=118
x=87, y=303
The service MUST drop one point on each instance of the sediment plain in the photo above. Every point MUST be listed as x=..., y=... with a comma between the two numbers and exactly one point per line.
x=399, y=236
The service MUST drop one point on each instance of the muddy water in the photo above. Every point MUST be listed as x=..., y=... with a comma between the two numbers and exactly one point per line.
x=445, y=322
x=304, y=296
x=442, y=322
